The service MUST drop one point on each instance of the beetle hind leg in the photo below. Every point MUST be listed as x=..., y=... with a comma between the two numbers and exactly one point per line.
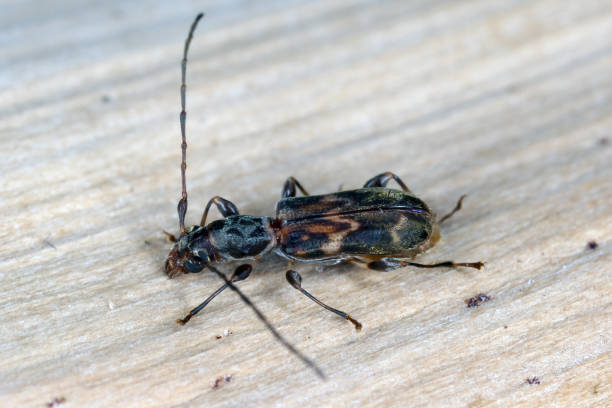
x=389, y=264
x=382, y=179
x=454, y=210
x=289, y=188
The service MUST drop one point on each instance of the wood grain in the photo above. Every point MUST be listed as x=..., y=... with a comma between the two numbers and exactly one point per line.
x=509, y=102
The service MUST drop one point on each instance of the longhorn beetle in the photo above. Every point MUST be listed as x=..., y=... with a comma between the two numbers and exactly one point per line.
x=376, y=226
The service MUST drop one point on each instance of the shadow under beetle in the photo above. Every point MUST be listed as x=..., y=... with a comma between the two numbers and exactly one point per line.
x=376, y=226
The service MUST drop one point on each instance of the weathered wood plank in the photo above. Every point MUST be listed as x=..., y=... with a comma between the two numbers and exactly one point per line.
x=509, y=102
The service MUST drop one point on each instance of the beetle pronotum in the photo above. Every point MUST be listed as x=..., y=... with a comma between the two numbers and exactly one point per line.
x=376, y=226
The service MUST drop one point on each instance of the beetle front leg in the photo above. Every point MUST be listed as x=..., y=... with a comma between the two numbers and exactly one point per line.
x=389, y=264
x=241, y=273
x=295, y=280
x=382, y=179
x=289, y=188
x=225, y=207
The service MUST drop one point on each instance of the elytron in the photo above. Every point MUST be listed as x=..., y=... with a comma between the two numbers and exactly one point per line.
x=375, y=226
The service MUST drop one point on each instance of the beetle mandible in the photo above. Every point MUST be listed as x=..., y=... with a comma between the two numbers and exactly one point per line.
x=376, y=226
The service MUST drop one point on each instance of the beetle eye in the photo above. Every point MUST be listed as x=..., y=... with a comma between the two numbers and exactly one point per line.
x=194, y=264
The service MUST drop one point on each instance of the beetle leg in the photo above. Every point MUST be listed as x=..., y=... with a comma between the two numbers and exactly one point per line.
x=382, y=179
x=170, y=237
x=295, y=280
x=289, y=188
x=388, y=264
x=241, y=273
x=225, y=207
x=450, y=214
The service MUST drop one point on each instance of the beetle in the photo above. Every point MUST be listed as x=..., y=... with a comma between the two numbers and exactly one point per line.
x=376, y=226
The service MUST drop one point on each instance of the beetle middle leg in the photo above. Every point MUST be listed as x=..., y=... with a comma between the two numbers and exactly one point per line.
x=382, y=179
x=389, y=264
x=289, y=188
x=295, y=280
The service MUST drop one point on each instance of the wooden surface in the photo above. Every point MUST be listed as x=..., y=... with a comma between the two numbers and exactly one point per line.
x=509, y=102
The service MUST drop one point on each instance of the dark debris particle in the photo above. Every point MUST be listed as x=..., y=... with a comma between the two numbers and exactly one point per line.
x=217, y=383
x=603, y=141
x=226, y=332
x=477, y=300
x=592, y=245
x=532, y=381
x=219, y=380
x=56, y=401
x=105, y=99
x=46, y=241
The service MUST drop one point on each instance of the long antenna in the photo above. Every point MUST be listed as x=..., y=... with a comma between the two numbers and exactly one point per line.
x=182, y=205
x=265, y=321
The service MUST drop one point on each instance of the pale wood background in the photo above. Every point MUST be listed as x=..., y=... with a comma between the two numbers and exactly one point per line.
x=507, y=101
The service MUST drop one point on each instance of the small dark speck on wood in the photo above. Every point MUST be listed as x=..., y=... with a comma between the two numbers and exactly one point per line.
x=592, y=245
x=219, y=380
x=477, y=300
x=56, y=401
x=532, y=381
x=46, y=241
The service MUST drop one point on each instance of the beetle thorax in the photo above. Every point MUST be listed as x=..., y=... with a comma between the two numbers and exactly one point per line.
x=240, y=237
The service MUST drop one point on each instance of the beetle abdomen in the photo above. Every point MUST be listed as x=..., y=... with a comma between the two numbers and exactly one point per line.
x=369, y=221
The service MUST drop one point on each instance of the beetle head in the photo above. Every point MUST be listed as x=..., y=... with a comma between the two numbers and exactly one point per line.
x=185, y=256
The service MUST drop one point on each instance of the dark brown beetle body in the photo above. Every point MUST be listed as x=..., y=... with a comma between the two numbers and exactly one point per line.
x=379, y=227
x=361, y=225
